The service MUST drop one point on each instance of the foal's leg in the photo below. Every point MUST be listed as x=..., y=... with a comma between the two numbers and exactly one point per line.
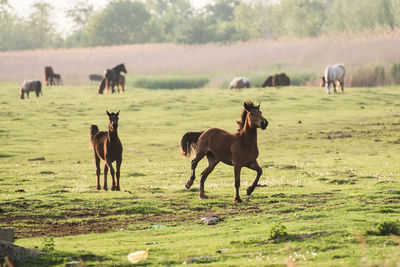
x=97, y=162
x=118, y=166
x=212, y=162
x=237, y=169
x=112, y=172
x=196, y=160
x=105, y=176
x=257, y=168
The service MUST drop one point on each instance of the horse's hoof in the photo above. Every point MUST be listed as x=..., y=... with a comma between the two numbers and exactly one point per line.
x=98, y=187
x=188, y=184
x=250, y=190
x=203, y=196
x=238, y=200
x=118, y=189
x=105, y=188
x=112, y=188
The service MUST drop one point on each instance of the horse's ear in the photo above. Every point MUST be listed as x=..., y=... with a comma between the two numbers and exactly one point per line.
x=108, y=113
x=246, y=107
x=117, y=113
x=258, y=107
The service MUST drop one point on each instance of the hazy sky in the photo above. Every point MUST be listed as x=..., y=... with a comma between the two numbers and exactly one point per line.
x=22, y=8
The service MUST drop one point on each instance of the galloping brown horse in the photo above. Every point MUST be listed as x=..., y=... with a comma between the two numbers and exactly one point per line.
x=238, y=149
x=108, y=147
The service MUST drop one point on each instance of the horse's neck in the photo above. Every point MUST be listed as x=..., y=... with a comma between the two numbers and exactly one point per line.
x=248, y=133
x=112, y=135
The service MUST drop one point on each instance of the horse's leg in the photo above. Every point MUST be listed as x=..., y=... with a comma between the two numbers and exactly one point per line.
x=341, y=85
x=27, y=94
x=97, y=162
x=112, y=172
x=212, y=162
x=334, y=87
x=327, y=87
x=112, y=87
x=257, y=168
x=107, y=86
x=196, y=160
x=117, y=174
x=105, y=176
x=237, y=169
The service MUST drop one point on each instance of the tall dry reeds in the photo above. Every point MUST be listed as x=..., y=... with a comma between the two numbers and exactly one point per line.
x=264, y=56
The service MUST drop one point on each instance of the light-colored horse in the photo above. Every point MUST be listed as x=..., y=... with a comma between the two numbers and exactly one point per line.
x=30, y=86
x=239, y=82
x=333, y=73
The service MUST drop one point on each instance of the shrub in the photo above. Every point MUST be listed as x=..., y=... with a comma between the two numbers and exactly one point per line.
x=395, y=73
x=277, y=232
x=368, y=76
x=301, y=78
x=387, y=228
x=170, y=81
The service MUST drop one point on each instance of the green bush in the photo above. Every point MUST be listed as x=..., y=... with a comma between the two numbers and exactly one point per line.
x=301, y=78
x=395, y=73
x=368, y=76
x=387, y=228
x=170, y=81
x=277, y=232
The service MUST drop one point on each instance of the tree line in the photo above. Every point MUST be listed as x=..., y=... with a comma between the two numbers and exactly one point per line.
x=177, y=21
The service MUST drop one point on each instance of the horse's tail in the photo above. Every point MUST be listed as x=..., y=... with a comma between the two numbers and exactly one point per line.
x=189, y=142
x=92, y=132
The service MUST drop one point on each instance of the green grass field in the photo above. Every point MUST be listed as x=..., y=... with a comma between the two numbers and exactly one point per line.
x=330, y=176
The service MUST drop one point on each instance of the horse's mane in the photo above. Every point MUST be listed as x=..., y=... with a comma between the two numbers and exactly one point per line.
x=250, y=105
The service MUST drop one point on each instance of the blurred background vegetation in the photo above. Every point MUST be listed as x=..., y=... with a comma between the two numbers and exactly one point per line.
x=177, y=21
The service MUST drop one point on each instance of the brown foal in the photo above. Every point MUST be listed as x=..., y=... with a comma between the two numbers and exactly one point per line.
x=108, y=147
x=238, y=149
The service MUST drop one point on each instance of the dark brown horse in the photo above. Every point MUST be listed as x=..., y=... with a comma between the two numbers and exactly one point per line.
x=238, y=149
x=108, y=147
x=49, y=75
x=112, y=76
x=121, y=82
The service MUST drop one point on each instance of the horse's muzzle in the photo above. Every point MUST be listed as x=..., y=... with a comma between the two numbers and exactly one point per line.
x=263, y=124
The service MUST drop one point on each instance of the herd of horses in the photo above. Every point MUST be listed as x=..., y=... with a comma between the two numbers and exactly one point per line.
x=238, y=149
x=332, y=74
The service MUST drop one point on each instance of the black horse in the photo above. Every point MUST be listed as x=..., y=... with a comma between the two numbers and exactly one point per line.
x=112, y=76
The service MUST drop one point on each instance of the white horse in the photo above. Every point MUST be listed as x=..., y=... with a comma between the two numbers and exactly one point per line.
x=333, y=73
x=239, y=82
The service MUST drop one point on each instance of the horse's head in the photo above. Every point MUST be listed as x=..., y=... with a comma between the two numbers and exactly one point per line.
x=121, y=67
x=254, y=116
x=322, y=84
x=112, y=121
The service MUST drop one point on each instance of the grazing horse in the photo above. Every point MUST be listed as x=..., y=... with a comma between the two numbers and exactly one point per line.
x=112, y=76
x=108, y=147
x=95, y=77
x=333, y=73
x=238, y=149
x=281, y=79
x=268, y=82
x=121, y=82
x=57, y=78
x=48, y=75
x=30, y=86
x=239, y=82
